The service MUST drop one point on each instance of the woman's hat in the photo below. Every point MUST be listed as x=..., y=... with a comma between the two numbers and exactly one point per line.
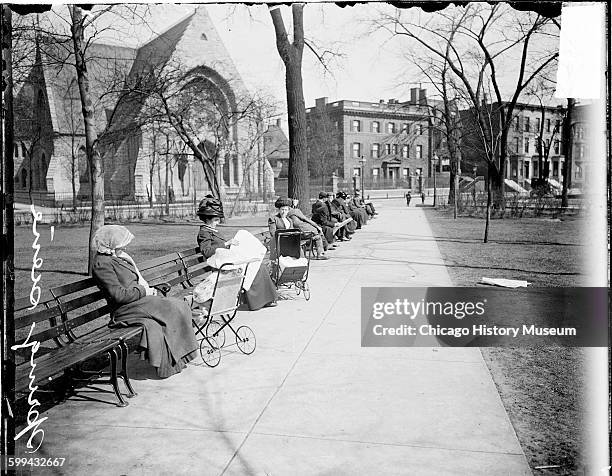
x=210, y=207
x=322, y=194
x=283, y=202
x=341, y=195
x=110, y=237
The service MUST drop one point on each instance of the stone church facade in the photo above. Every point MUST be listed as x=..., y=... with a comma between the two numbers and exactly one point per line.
x=141, y=161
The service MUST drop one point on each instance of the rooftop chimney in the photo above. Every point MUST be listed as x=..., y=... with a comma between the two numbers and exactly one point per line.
x=320, y=103
x=413, y=95
x=422, y=97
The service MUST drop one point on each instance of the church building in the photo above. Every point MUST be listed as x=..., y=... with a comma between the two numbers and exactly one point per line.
x=143, y=160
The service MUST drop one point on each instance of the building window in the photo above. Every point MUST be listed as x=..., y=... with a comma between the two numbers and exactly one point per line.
x=517, y=145
x=376, y=126
x=578, y=170
x=394, y=149
x=526, y=169
x=387, y=149
x=336, y=125
x=23, y=150
x=356, y=126
x=375, y=173
x=517, y=124
x=405, y=173
x=527, y=127
x=405, y=128
x=580, y=151
x=547, y=125
x=16, y=150
x=338, y=149
x=356, y=150
x=419, y=151
x=555, y=168
x=24, y=178
x=557, y=124
x=526, y=145
x=538, y=124
x=391, y=128
x=375, y=151
x=557, y=147
x=420, y=129
x=405, y=152
x=357, y=171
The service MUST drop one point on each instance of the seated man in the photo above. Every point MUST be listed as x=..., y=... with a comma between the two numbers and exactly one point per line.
x=359, y=218
x=322, y=217
x=340, y=231
x=341, y=206
x=357, y=210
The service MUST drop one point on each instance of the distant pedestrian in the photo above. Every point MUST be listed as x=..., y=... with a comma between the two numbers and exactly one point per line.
x=408, y=198
x=423, y=198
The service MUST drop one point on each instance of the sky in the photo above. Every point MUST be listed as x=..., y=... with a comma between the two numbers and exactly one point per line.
x=372, y=66
x=368, y=71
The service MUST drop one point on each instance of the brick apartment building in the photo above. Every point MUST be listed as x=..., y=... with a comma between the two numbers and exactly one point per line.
x=393, y=142
x=531, y=123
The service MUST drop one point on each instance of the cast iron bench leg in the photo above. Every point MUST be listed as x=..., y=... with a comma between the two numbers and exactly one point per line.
x=113, y=378
x=124, y=372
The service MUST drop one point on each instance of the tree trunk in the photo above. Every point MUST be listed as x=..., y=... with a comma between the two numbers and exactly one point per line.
x=91, y=136
x=166, y=181
x=74, y=175
x=455, y=190
x=489, y=202
x=567, y=150
x=291, y=54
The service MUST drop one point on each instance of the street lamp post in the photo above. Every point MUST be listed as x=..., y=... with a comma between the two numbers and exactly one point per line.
x=362, y=161
x=435, y=163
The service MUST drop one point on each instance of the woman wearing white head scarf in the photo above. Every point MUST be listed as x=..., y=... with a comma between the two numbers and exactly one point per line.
x=168, y=338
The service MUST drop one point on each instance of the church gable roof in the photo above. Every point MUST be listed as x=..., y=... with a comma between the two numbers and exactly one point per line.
x=276, y=144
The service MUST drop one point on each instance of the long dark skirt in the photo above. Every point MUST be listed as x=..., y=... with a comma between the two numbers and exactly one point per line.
x=262, y=290
x=168, y=338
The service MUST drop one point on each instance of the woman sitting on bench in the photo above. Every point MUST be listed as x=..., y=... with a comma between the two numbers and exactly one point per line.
x=288, y=217
x=262, y=292
x=168, y=339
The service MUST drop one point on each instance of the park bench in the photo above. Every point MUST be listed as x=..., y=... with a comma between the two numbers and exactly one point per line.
x=70, y=325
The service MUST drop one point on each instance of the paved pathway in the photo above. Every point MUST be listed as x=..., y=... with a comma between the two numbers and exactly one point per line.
x=310, y=400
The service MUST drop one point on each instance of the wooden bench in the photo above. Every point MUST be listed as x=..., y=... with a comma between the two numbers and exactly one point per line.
x=68, y=327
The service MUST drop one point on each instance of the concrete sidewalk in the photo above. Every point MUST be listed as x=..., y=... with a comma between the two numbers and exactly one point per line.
x=310, y=400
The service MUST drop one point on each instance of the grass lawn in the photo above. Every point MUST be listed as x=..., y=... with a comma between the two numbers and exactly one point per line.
x=65, y=258
x=543, y=389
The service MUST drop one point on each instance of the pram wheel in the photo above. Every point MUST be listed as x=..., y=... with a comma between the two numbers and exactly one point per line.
x=210, y=353
x=214, y=327
x=245, y=340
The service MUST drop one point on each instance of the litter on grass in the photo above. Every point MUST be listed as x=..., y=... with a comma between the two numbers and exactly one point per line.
x=505, y=283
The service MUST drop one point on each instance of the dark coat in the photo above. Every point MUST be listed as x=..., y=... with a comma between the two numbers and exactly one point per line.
x=209, y=240
x=168, y=338
x=262, y=290
x=343, y=208
x=322, y=214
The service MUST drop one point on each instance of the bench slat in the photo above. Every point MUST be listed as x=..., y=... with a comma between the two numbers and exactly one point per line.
x=152, y=263
x=74, y=287
x=83, y=301
x=42, y=315
x=58, y=361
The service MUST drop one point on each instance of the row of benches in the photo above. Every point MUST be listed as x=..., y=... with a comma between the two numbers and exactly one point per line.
x=69, y=327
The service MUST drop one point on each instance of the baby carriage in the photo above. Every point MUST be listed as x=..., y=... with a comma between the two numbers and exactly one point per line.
x=291, y=264
x=211, y=318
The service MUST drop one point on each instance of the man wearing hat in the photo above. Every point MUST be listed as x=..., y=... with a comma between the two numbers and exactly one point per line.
x=262, y=292
x=359, y=219
x=341, y=206
x=322, y=216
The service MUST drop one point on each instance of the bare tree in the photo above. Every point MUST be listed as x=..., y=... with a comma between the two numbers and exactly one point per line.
x=476, y=43
x=291, y=53
x=322, y=143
